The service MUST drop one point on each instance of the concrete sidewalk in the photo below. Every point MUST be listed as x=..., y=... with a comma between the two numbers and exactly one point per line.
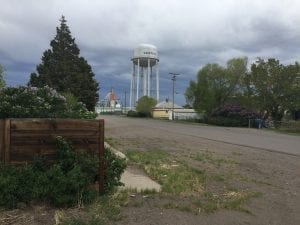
x=135, y=178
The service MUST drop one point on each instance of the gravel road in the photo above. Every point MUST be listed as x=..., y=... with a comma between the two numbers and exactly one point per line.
x=255, y=138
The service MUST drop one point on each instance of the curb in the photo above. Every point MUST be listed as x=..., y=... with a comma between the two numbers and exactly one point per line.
x=133, y=178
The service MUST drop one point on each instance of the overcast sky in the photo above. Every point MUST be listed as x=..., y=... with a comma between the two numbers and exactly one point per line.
x=187, y=33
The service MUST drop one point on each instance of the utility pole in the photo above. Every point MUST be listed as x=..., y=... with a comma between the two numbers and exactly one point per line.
x=173, y=78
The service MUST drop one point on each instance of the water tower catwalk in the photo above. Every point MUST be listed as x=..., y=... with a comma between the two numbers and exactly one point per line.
x=143, y=82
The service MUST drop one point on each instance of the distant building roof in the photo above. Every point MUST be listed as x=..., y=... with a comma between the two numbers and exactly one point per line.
x=167, y=105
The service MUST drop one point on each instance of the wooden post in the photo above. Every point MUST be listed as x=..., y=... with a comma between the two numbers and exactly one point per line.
x=101, y=156
x=6, y=155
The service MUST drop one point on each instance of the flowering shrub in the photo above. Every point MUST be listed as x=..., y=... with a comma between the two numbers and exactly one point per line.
x=235, y=111
x=32, y=102
x=232, y=115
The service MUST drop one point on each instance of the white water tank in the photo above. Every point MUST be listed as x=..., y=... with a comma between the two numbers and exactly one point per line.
x=144, y=52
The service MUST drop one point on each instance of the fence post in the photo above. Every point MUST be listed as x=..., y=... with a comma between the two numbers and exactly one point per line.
x=6, y=141
x=101, y=156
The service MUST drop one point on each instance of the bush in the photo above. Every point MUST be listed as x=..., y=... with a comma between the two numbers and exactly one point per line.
x=32, y=102
x=114, y=167
x=67, y=182
x=132, y=113
x=290, y=126
x=232, y=115
x=15, y=185
x=145, y=105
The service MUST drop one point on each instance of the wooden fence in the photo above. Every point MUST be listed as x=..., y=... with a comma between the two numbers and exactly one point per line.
x=23, y=139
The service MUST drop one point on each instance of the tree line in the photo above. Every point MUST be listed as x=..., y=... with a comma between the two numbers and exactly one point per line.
x=268, y=87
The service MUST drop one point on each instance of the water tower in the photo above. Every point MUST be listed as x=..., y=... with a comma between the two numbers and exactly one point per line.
x=144, y=66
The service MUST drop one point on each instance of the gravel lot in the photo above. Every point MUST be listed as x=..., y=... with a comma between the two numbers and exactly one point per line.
x=264, y=161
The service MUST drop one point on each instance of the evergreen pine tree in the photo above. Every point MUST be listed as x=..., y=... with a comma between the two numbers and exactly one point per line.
x=64, y=70
x=2, y=82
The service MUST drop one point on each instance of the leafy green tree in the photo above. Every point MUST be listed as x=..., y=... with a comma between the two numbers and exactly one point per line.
x=2, y=82
x=145, y=105
x=276, y=87
x=216, y=85
x=63, y=69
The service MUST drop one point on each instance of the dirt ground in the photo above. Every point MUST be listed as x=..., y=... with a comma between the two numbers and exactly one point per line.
x=276, y=175
x=247, y=162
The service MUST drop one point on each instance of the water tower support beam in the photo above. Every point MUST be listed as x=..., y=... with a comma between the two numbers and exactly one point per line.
x=131, y=87
x=157, y=83
x=148, y=76
x=138, y=81
x=145, y=81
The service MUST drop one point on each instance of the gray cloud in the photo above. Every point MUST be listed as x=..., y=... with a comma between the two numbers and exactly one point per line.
x=188, y=34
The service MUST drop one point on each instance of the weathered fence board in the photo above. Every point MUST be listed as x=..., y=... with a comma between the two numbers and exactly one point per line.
x=21, y=140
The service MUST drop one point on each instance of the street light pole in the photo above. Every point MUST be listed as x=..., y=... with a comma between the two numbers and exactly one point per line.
x=173, y=79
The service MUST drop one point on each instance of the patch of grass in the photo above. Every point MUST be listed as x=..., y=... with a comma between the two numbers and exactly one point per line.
x=80, y=221
x=235, y=199
x=170, y=205
x=208, y=157
x=111, y=141
x=237, y=153
x=174, y=176
x=218, y=177
x=288, y=132
x=208, y=202
x=182, y=208
x=103, y=211
x=180, y=180
x=147, y=158
x=137, y=203
x=148, y=191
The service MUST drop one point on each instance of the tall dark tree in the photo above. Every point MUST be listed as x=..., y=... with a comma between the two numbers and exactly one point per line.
x=63, y=69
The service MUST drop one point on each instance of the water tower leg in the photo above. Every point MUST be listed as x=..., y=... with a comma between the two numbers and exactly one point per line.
x=151, y=82
x=138, y=81
x=131, y=87
x=145, y=81
x=157, y=83
x=148, y=76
